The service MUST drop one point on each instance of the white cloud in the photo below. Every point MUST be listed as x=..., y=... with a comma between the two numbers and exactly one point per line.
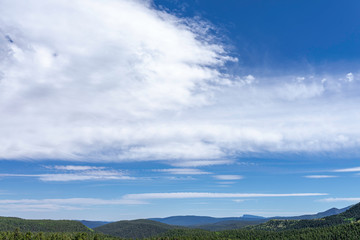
x=200, y=163
x=320, y=176
x=76, y=168
x=76, y=173
x=226, y=184
x=295, y=91
x=137, y=84
x=128, y=63
x=354, y=169
x=23, y=205
x=91, y=175
x=350, y=77
x=340, y=200
x=187, y=178
x=66, y=177
x=183, y=195
x=183, y=171
x=228, y=177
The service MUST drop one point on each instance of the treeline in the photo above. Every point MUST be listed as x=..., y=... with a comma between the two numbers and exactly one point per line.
x=138, y=229
x=19, y=235
x=345, y=231
x=12, y=223
x=350, y=216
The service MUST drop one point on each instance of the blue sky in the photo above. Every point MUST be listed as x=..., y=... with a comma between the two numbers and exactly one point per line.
x=124, y=109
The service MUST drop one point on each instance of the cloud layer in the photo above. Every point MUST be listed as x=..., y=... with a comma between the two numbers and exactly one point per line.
x=76, y=173
x=30, y=205
x=183, y=195
x=120, y=81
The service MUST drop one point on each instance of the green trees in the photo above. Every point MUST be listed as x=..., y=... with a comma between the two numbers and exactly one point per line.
x=349, y=231
x=344, y=231
x=342, y=226
x=19, y=235
x=11, y=223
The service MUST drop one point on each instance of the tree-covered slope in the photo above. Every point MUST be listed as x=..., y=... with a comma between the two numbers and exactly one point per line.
x=329, y=212
x=12, y=223
x=93, y=224
x=142, y=228
x=349, y=216
x=228, y=225
x=202, y=220
x=344, y=231
x=17, y=235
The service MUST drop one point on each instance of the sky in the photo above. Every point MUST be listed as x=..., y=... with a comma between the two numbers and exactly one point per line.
x=127, y=109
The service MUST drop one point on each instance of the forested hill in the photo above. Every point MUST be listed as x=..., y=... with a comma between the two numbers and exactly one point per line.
x=93, y=224
x=217, y=224
x=141, y=228
x=350, y=216
x=344, y=231
x=202, y=220
x=12, y=223
x=329, y=212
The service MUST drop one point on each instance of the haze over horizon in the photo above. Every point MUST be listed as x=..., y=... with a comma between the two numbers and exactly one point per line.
x=127, y=109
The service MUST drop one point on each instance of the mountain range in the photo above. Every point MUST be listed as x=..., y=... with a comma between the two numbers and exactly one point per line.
x=212, y=223
x=150, y=228
x=216, y=224
x=189, y=225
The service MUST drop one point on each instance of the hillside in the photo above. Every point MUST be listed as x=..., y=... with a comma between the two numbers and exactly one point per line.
x=202, y=220
x=11, y=223
x=93, y=224
x=343, y=231
x=229, y=225
x=142, y=228
x=349, y=216
x=329, y=212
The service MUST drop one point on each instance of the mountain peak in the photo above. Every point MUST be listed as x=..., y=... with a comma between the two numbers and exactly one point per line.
x=252, y=216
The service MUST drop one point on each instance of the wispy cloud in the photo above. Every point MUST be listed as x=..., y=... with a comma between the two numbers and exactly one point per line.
x=24, y=205
x=75, y=168
x=66, y=177
x=183, y=195
x=76, y=173
x=228, y=177
x=226, y=183
x=187, y=178
x=354, y=169
x=340, y=200
x=200, y=163
x=182, y=171
x=320, y=176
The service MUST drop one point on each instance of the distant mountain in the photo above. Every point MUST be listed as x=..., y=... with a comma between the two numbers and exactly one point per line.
x=236, y=224
x=330, y=212
x=349, y=216
x=201, y=220
x=229, y=225
x=248, y=216
x=217, y=224
x=349, y=231
x=142, y=228
x=11, y=223
x=93, y=224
